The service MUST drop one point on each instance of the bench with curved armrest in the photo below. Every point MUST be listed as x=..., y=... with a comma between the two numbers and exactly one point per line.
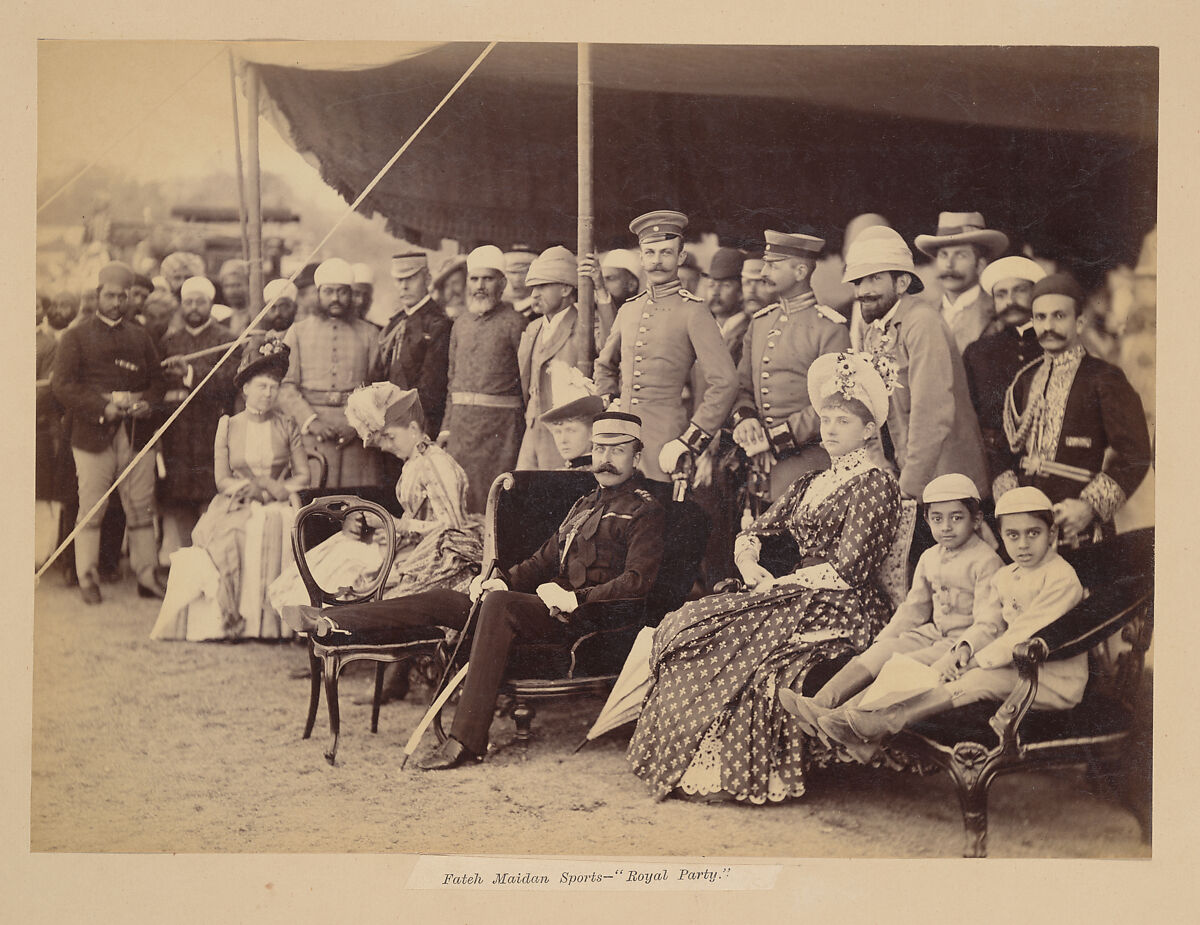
x=330, y=645
x=976, y=743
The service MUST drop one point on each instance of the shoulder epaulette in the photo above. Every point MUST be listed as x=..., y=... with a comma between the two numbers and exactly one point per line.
x=638, y=296
x=643, y=494
x=826, y=312
x=691, y=296
x=763, y=311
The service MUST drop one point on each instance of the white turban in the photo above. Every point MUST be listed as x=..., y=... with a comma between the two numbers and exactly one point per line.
x=279, y=288
x=622, y=260
x=484, y=259
x=334, y=272
x=1010, y=268
x=363, y=274
x=198, y=284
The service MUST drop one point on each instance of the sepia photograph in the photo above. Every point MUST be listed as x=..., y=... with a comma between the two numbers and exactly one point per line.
x=594, y=449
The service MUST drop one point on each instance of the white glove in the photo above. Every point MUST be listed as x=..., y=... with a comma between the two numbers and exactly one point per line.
x=556, y=596
x=668, y=456
x=478, y=586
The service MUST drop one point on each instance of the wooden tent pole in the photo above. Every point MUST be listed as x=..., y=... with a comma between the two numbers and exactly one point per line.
x=585, y=343
x=254, y=204
x=237, y=150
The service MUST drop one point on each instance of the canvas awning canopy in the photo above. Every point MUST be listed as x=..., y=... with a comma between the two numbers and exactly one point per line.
x=1057, y=146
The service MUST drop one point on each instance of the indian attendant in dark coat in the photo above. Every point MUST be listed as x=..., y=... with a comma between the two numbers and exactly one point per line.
x=484, y=419
x=189, y=484
x=1074, y=423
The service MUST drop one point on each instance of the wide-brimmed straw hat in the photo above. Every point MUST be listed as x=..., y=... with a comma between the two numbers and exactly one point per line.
x=962, y=228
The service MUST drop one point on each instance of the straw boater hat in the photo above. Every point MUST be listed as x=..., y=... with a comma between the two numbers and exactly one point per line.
x=1010, y=268
x=852, y=375
x=962, y=228
x=271, y=358
x=880, y=249
x=574, y=392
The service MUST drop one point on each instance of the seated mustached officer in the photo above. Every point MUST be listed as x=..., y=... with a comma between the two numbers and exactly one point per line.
x=609, y=547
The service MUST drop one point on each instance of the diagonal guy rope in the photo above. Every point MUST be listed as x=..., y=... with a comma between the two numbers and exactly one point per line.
x=150, y=444
x=135, y=124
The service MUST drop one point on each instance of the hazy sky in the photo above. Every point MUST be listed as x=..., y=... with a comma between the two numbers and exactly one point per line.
x=92, y=93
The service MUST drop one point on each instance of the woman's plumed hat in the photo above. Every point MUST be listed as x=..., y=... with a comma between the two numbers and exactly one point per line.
x=371, y=409
x=852, y=375
x=270, y=358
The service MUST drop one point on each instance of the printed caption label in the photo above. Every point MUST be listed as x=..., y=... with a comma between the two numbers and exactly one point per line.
x=464, y=873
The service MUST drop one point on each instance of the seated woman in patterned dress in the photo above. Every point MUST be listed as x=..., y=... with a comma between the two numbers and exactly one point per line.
x=712, y=727
x=217, y=588
x=438, y=544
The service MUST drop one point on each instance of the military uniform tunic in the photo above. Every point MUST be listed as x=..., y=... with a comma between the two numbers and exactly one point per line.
x=657, y=337
x=781, y=344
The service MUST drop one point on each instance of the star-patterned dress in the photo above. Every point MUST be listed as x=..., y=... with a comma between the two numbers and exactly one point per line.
x=711, y=721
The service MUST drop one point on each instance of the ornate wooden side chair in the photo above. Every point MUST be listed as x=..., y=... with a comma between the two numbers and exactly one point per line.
x=976, y=743
x=330, y=646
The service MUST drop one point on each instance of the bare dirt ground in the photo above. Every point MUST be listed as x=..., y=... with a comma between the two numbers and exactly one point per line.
x=141, y=746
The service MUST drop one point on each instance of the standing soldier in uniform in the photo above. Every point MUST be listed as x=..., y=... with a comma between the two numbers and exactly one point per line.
x=107, y=376
x=774, y=422
x=656, y=339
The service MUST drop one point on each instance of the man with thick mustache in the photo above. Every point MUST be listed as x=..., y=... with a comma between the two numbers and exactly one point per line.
x=994, y=359
x=484, y=419
x=187, y=445
x=1074, y=423
x=931, y=423
x=333, y=351
x=657, y=337
x=962, y=248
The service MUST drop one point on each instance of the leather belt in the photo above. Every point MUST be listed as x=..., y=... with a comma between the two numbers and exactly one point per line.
x=1037, y=465
x=486, y=401
x=328, y=398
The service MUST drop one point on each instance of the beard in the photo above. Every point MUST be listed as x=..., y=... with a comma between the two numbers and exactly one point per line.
x=480, y=302
x=875, y=307
x=194, y=319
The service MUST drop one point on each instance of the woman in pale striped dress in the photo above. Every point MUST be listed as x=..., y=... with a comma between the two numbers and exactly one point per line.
x=438, y=544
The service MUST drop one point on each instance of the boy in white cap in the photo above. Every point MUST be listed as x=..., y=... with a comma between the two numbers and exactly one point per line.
x=485, y=418
x=333, y=352
x=1038, y=588
x=951, y=579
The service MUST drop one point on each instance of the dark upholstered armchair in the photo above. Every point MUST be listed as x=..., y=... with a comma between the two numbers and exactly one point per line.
x=526, y=507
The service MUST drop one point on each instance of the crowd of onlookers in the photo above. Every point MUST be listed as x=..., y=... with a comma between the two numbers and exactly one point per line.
x=488, y=341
